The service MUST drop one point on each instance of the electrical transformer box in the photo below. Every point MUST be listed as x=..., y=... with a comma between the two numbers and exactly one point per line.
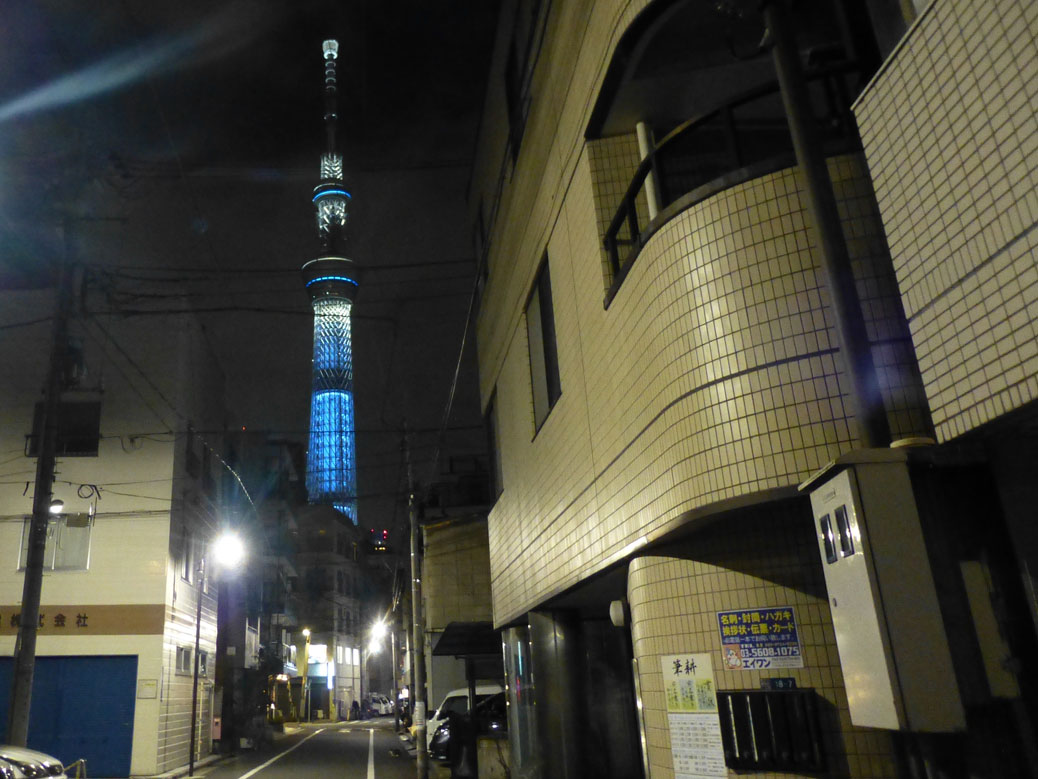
x=894, y=651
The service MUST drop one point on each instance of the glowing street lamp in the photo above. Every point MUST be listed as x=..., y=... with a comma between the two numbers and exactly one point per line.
x=227, y=552
x=306, y=673
x=378, y=631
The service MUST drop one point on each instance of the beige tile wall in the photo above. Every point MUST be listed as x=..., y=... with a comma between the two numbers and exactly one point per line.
x=950, y=128
x=613, y=162
x=769, y=561
x=456, y=574
x=713, y=374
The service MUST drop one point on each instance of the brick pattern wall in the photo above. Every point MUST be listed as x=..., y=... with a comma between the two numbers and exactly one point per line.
x=770, y=561
x=951, y=136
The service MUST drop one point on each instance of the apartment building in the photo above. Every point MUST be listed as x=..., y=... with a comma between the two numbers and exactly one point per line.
x=757, y=348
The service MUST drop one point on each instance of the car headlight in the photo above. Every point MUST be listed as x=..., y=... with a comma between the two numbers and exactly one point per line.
x=31, y=770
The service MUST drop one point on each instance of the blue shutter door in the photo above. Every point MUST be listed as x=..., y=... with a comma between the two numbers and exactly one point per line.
x=82, y=707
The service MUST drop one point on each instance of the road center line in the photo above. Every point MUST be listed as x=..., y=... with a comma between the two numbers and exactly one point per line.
x=259, y=768
x=371, y=754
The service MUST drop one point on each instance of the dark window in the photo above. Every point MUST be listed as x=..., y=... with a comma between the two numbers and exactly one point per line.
x=79, y=429
x=496, y=483
x=544, y=358
x=191, y=461
x=208, y=483
x=527, y=33
x=184, y=660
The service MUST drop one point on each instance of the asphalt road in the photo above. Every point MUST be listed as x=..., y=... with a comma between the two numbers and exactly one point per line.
x=347, y=750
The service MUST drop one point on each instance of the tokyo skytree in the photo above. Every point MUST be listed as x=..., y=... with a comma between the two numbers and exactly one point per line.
x=331, y=280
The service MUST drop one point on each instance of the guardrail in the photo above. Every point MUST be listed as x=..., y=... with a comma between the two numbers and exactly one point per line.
x=739, y=135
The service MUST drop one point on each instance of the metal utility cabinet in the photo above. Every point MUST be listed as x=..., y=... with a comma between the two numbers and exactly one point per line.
x=894, y=651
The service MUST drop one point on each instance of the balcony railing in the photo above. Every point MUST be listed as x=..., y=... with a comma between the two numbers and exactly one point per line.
x=744, y=138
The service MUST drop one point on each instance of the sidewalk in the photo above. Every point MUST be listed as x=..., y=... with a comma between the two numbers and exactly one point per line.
x=437, y=769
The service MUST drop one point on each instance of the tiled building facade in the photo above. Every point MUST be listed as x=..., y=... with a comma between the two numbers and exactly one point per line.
x=657, y=413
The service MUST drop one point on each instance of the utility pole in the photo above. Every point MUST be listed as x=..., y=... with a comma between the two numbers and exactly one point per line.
x=418, y=631
x=396, y=689
x=201, y=573
x=25, y=644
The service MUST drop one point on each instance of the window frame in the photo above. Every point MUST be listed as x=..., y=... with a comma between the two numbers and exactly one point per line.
x=78, y=429
x=542, y=345
x=494, y=448
x=184, y=668
x=57, y=525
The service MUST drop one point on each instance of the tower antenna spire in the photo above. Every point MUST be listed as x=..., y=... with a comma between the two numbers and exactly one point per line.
x=332, y=281
x=331, y=92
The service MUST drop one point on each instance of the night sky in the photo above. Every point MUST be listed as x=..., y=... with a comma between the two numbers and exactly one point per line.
x=185, y=136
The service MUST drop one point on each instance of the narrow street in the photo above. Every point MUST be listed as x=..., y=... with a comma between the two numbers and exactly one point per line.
x=347, y=750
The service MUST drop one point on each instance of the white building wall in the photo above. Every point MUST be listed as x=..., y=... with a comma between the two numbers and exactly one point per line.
x=157, y=375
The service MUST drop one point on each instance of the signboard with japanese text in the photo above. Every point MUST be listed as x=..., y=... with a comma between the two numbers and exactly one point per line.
x=695, y=728
x=753, y=639
x=89, y=620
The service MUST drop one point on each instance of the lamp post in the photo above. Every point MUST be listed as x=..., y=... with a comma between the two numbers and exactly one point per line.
x=305, y=692
x=373, y=648
x=227, y=551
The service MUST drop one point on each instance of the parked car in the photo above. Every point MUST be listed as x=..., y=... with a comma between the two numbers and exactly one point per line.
x=21, y=763
x=491, y=718
x=458, y=702
x=378, y=704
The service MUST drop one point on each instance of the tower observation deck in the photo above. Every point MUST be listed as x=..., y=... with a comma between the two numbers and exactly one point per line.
x=331, y=280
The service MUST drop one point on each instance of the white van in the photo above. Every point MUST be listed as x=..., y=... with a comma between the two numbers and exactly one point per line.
x=458, y=702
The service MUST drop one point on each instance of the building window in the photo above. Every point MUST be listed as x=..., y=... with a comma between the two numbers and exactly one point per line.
x=544, y=358
x=203, y=663
x=68, y=542
x=184, y=660
x=191, y=461
x=493, y=448
x=527, y=35
x=79, y=429
x=188, y=560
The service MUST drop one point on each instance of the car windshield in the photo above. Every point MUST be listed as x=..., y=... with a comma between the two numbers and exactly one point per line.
x=459, y=704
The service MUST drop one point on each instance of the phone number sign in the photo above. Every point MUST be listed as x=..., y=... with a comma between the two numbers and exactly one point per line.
x=754, y=639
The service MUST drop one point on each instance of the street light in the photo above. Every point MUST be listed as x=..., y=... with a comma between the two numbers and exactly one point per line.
x=306, y=672
x=227, y=551
x=378, y=632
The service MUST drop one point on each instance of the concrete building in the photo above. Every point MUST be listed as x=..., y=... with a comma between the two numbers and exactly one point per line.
x=330, y=594
x=455, y=569
x=139, y=477
x=762, y=386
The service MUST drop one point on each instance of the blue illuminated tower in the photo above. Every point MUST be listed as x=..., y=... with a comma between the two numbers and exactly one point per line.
x=331, y=280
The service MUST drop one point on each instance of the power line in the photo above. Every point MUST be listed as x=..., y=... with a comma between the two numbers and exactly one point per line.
x=253, y=271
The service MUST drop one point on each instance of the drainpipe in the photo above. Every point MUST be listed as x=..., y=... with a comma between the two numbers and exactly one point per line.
x=866, y=400
x=646, y=146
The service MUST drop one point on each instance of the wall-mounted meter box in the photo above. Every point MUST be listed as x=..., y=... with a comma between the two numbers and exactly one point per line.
x=897, y=666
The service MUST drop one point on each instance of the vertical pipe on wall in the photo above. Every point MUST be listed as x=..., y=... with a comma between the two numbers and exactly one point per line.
x=646, y=146
x=866, y=400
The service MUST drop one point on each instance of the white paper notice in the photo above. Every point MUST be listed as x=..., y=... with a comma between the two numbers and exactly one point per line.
x=695, y=729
